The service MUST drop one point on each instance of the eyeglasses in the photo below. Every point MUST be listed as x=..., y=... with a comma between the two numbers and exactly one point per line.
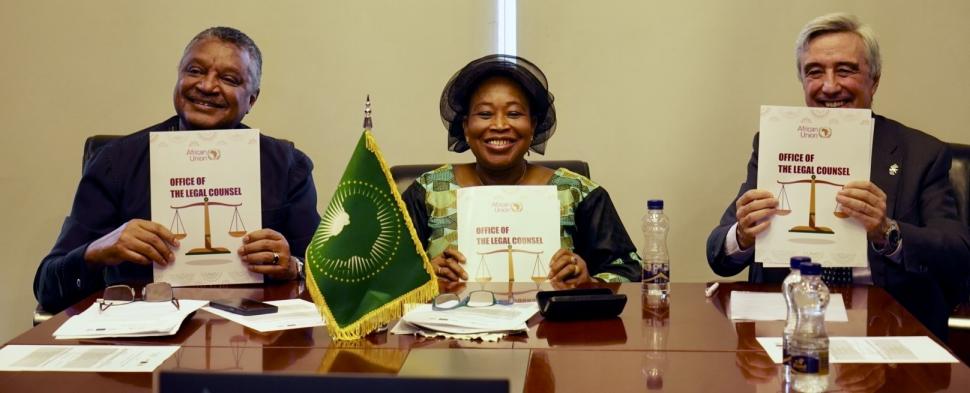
x=451, y=301
x=117, y=295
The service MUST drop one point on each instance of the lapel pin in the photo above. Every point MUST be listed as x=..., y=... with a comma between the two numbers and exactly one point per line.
x=893, y=169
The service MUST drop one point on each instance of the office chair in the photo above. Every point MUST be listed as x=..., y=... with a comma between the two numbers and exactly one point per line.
x=960, y=178
x=91, y=146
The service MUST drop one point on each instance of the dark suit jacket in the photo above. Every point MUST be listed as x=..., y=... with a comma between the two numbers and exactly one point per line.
x=932, y=277
x=114, y=189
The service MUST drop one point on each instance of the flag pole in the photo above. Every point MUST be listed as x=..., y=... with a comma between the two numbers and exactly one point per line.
x=368, y=123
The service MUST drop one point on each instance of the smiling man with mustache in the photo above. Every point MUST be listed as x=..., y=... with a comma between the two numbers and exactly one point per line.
x=919, y=251
x=109, y=238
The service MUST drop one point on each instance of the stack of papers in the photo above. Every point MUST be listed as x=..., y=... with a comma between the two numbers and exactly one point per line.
x=486, y=323
x=770, y=306
x=291, y=314
x=137, y=319
x=892, y=349
x=85, y=358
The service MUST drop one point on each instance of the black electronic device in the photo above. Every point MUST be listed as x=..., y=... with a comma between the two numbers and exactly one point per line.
x=243, y=306
x=214, y=382
x=578, y=304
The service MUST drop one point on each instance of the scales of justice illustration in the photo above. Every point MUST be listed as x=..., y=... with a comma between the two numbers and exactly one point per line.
x=236, y=226
x=784, y=207
x=484, y=274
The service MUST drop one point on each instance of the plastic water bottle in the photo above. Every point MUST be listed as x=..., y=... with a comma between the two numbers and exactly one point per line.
x=809, y=347
x=656, y=262
x=794, y=277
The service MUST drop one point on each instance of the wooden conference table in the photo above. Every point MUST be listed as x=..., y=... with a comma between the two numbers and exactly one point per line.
x=688, y=346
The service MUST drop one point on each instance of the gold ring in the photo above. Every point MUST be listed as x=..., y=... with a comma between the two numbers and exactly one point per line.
x=276, y=258
x=575, y=269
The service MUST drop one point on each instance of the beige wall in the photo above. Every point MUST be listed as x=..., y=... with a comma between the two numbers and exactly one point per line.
x=661, y=98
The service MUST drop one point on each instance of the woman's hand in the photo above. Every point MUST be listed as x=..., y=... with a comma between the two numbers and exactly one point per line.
x=267, y=252
x=447, y=266
x=568, y=268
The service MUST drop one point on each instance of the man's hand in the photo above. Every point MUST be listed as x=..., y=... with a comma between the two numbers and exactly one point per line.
x=267, y=252
x=447, y=266
x=568, y=268
x=139, y=241
x=865, y=202
x=753, y=210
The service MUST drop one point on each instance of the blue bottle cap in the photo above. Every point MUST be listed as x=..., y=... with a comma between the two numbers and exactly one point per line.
x=811, y=269
x=796, y=262
x=655, y=204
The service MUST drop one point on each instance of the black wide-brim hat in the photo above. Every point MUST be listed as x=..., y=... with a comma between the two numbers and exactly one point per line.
x=458, y=91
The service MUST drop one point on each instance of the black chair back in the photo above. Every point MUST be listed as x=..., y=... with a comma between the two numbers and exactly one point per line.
x=93, y=144
x=960, y=178
x=404, y=175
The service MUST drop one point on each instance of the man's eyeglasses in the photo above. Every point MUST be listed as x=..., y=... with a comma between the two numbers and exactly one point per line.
x=451, y=301
x=117, y=295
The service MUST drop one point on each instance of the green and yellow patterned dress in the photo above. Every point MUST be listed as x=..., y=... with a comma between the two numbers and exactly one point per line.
x=589, y=222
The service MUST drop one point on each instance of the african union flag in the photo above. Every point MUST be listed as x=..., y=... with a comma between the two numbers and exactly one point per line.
x=365, y=261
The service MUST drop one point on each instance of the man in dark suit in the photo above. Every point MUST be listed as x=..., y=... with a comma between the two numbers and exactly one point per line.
x=109, y=239
x=919, y=251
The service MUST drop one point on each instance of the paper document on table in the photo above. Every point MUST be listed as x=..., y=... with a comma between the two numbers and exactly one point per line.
x=770, y=306
x=467, y=320
x=85, y=358
x=291, y=314
x=404, y=328
x=901, y=349
x=136, y=319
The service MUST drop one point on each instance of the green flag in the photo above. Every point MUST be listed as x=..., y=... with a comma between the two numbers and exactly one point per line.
x=365, y=260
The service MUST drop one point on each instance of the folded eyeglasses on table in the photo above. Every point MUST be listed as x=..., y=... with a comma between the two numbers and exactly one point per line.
x=117, y=295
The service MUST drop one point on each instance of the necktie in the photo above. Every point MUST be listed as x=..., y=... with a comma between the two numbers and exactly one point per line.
x=837, y=275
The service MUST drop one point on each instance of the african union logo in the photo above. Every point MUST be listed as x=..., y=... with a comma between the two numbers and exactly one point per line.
x=359, y=233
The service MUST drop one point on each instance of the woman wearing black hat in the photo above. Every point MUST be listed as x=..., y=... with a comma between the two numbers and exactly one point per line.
x=499, y=106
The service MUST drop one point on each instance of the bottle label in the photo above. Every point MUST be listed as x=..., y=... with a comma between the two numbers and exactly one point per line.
x=656, y=273
x=816, y=363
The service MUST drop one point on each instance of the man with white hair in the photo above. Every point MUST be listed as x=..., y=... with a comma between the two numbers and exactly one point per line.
x=918, y=249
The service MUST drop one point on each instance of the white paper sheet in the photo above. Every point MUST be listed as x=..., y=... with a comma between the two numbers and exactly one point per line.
x=137, y=319
x=85, y=358
x=291, y=314
x=898, y=349
x=405, y=328
x=468, y=320
x=770, y=306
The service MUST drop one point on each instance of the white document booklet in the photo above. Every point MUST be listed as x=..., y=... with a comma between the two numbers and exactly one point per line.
x=805, y=157
x=291, y=314
x=891, y=349
x=770, y=306
x=85, y=358
x=508, y=233
x=136, y=319
x=205, y=187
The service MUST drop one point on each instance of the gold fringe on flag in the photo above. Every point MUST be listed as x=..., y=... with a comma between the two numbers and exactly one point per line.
x=393, y=309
